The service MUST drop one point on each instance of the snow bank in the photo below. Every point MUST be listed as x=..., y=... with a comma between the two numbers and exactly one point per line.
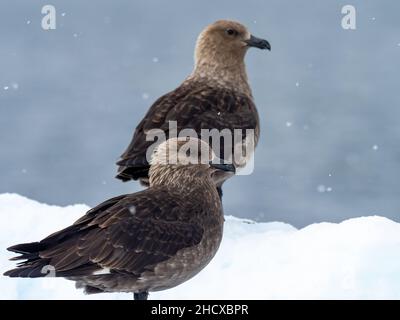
x=358, y=258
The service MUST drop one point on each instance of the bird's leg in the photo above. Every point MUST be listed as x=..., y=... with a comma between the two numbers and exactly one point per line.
x=143, y=295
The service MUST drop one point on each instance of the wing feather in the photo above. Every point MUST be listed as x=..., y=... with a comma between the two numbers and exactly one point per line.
x=114, y=236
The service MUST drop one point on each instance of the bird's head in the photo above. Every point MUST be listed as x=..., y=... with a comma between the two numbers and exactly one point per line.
x=226, y=41
x=183, y=160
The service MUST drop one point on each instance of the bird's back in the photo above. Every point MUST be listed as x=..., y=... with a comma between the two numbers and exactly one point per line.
x=194, y=105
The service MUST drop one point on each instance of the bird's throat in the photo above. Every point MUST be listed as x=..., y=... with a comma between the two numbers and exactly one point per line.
x=230, y=76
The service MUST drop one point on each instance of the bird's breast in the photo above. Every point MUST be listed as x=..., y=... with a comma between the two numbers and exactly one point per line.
x=186, y=263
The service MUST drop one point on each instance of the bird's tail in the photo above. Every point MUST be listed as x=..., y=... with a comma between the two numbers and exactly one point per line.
x=33, y=266
x=128, y=172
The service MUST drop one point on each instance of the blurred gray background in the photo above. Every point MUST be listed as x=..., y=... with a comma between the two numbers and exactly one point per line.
x=328, y=99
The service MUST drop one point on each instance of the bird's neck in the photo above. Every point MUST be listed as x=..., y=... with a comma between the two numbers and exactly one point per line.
x=226, y=75
x=187, y=182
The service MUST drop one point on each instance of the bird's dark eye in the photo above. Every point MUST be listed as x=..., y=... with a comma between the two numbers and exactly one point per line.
x=231, y=32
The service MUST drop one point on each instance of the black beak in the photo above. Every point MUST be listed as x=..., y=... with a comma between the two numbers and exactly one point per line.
x=258, y=43
x=223, y=166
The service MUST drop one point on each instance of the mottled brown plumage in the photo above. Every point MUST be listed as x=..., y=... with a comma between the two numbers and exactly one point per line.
x=215, y=96
x=147, y=241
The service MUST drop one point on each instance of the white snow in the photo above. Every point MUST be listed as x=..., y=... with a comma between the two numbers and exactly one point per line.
x=358, y=258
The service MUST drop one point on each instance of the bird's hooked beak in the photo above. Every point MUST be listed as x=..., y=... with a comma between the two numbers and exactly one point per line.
x=258, y=43
x=228, y=167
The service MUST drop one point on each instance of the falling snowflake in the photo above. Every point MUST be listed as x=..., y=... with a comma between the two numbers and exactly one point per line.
x=24, y=171
x=375, y=147
x=75, y=35
x=103, y=182
x=297, y=84
x=373, y=18
x=155, y=59
x=5, y=87
x=322, y=188
x=145, y=96
x=63, y=14
x=28, y=22
x=255, y=21
x=15, y=85
x=330, y=175
x=219, y=113
x=288, y=124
